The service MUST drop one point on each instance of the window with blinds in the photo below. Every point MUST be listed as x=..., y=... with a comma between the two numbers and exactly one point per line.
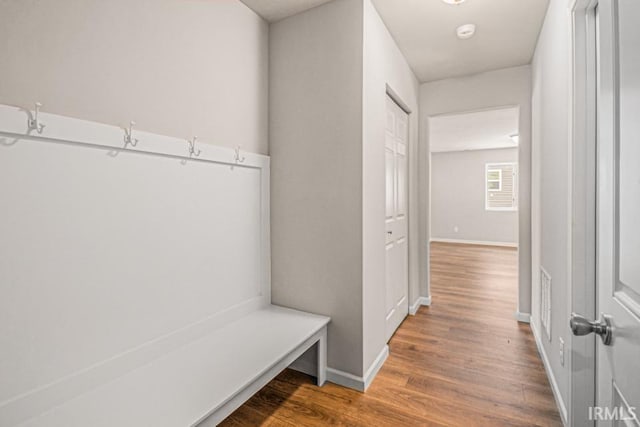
x=501, y=186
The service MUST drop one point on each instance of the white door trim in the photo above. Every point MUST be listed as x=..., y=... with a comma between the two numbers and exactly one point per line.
x=398, y=100
x=582, y=206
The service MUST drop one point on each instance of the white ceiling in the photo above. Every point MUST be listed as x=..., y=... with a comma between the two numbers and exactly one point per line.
x=478, y=130
x=425, y=31
x=275, y=10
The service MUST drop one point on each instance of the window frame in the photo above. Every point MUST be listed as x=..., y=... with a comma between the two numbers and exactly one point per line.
x=492, y=167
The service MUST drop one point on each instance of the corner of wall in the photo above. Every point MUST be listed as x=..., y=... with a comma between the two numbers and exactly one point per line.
x=316, y=136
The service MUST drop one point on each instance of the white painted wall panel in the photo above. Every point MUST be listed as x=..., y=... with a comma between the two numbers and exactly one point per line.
x=105, y=251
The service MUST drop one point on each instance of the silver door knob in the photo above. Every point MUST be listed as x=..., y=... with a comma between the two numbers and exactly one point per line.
x=603, y=327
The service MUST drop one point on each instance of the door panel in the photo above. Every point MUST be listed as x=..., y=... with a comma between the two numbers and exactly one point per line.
x=389, y=272
x=402, y=122
x=618, y=236
x=396, y=240
x=389, y=159
x=401, y=273
x=629, y=143
x=391, y=119
x=401, y=160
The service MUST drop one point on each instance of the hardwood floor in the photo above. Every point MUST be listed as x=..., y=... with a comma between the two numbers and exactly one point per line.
x=464, y=361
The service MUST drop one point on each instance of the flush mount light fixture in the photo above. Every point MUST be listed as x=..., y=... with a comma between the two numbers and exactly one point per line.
x=453, y=1
x=466, y=31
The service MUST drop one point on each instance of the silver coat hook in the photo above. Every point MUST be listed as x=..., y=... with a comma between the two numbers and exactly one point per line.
x=128, y=135
x=34, y=123
x=192, y=147
x=238, y=158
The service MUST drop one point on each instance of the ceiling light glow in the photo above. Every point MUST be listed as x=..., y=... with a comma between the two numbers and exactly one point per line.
x=466, y=31
x=453, y=1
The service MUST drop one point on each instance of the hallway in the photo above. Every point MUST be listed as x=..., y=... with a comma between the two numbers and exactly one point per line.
x=466, y=348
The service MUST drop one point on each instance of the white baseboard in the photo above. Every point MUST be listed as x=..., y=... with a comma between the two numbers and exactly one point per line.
x=373, y=370
x=474, y=242
x=522, y=317
x=346, y=379
x=416, y=305
x=562, y=408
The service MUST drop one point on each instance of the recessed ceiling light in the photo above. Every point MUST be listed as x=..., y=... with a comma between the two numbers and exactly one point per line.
x=466, y=31
x=453, y=1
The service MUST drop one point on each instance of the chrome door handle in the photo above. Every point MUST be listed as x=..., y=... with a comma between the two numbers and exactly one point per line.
x=603, y=327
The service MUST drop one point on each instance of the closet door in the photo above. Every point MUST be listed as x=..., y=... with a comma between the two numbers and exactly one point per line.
x=396, y=243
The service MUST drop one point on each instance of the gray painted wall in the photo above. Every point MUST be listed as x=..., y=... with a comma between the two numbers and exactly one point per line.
x=315, y=136
x=551, y=70
x=178, y=68
x=510, y=86
x=458, y=197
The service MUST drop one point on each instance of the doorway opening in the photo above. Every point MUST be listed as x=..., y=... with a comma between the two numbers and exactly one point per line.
x=473, y=206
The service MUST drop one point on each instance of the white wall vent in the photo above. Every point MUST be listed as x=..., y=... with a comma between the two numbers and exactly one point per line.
x=545, y=302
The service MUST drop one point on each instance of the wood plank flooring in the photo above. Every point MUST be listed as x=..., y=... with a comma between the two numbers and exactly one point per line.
x=464, y=361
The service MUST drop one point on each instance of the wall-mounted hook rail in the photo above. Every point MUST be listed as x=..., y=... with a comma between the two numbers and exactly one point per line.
x=239, y=159
x=192, y=147
x=34, y=123
x=128, y=135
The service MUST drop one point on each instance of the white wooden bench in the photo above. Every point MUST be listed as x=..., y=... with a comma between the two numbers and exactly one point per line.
x=135, y=281
x=202, y=382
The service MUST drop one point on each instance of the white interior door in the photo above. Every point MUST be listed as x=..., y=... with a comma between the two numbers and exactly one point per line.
x=617, y=364
x=396, y=243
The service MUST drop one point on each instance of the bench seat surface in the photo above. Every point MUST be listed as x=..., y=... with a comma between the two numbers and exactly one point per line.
x=184, y=386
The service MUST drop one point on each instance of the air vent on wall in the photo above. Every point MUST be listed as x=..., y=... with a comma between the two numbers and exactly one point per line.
x=545, y=302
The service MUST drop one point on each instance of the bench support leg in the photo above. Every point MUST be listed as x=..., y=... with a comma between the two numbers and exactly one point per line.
x=322, y=358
